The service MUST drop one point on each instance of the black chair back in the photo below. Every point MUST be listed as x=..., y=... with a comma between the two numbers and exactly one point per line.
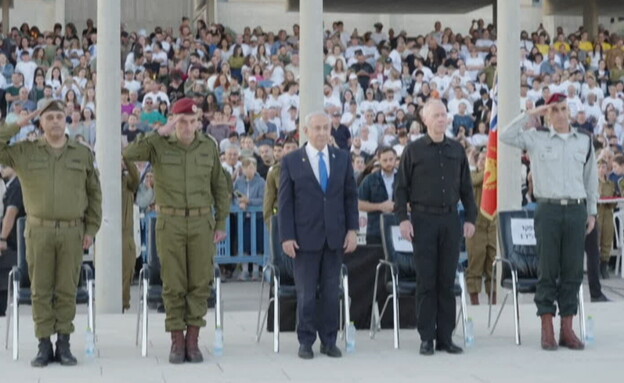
x=524, y=257
x=403, y=260
x=153, y=262
x=282, y=262
x=82, y=295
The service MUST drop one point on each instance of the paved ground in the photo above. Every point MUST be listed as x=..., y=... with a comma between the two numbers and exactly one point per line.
x=492, y=359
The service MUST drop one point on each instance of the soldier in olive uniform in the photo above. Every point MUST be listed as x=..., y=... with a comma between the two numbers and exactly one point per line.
x=130, y=181
x=482, y=246
x=608, y=189
x=269, y=207
x=63, y=204
x=565, y=180
x=190, y=182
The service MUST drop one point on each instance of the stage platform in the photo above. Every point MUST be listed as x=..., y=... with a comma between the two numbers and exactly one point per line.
x=493, y=358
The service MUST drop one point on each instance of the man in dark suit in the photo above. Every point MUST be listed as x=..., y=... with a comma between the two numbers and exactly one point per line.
x=318, y=221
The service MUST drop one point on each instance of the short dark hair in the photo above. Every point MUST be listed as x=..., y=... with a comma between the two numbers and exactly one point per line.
x=386, y=149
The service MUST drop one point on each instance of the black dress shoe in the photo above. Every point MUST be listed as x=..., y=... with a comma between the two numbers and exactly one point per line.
x=331, y=351
x=426, y=347
x=305, y=352
x=601, y=298
x=45, y=354
x=449, y=347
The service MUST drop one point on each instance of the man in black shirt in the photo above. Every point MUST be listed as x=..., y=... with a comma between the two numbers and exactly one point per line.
x=13, y=209
x=433, y=176
x=340, y=132
x=362, y=69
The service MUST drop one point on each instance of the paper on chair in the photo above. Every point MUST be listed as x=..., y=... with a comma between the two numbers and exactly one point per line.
x=522, y=232
x=399, y=243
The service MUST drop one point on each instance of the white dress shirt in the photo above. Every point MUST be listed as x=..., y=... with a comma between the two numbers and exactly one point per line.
x=313, y=157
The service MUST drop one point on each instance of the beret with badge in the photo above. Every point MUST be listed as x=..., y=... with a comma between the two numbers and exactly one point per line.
x=184, y=106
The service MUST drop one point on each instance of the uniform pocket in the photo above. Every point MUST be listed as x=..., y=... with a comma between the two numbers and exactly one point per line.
x=171, y=159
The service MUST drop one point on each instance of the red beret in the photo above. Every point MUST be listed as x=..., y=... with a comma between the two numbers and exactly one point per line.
x=184, y=106
x=556, y=98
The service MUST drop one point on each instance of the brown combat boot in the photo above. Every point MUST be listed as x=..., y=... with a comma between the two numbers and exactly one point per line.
x=493, y=298
x=567, y=338
x=548, y=333
x=193, y=354
x=474, y=299
x=177, y=353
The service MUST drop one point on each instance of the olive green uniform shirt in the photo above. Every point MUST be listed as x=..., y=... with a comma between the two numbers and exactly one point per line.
x=58, y=185
x=269, y=207
x=185, y=177
x=562, y=167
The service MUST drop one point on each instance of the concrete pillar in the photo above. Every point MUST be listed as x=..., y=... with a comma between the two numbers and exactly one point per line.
x=590, y=18
x=59, y=13
x=5, y=17
x=548, y=19
x=212, y=11
x=108, y=155
x=509, y=197
x=311, y=60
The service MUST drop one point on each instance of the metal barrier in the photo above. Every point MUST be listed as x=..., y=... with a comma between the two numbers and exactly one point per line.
x=225, y=253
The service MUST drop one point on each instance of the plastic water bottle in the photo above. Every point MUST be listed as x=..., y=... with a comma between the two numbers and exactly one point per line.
x=351, y=338
x=589, y=330
x=89, y=344
x=218, y=342
x=469, y=332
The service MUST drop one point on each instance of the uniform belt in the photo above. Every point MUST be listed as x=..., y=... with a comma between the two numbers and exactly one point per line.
x=562, y=201
x=196, y=212
x=432, y=209
x=53, y=223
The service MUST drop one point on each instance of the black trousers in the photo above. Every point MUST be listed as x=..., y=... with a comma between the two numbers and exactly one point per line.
x=436, y=252
x=318, y=271
x=592, y=250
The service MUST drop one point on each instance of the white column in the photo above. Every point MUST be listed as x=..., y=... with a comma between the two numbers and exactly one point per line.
x=590, y=18
x=548, y=19
x=509, y=196
x=59, y=14
x=108, y=155
x=5, y=17
x=311, y=60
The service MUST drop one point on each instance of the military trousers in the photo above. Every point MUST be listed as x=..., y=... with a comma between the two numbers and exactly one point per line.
x=481, y=254
x=560, y=234
x=128, y=262
x=186, y=250
x=54, y=257
x=607, y=231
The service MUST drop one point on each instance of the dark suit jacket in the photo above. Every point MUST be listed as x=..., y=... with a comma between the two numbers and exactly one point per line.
x=308, y=215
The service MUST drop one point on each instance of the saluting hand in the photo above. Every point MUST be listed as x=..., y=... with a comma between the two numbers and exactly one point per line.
x=469, y=229
x=290, y=247
x=539, y=111
x=26, y=120
x=407, y=231
x=169, y=127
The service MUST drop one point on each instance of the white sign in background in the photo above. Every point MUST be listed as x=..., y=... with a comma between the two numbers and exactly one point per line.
x=523, y=232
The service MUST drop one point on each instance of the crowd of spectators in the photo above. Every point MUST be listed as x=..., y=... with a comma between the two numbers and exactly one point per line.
x=246, y=86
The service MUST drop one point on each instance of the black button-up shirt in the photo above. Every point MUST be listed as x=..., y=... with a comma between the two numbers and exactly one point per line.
x=434, y=175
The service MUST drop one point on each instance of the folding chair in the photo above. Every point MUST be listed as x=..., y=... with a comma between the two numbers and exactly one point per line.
x=402, y=281
x=519, y=273
x=618, y=223
x=151, y=287
x=279, y=271
x=19, y=292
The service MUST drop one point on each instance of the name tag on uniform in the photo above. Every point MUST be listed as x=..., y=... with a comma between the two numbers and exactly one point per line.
x=523, y=232
x=400, y=244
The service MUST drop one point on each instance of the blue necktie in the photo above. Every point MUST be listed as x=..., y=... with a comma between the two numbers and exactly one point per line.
x=323, y=173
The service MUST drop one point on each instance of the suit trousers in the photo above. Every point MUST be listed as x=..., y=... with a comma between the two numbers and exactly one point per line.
x=560, y=234
x=436, y=253
x=318, y=272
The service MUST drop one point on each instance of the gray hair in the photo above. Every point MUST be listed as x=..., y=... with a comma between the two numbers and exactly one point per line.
x=310, y=116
